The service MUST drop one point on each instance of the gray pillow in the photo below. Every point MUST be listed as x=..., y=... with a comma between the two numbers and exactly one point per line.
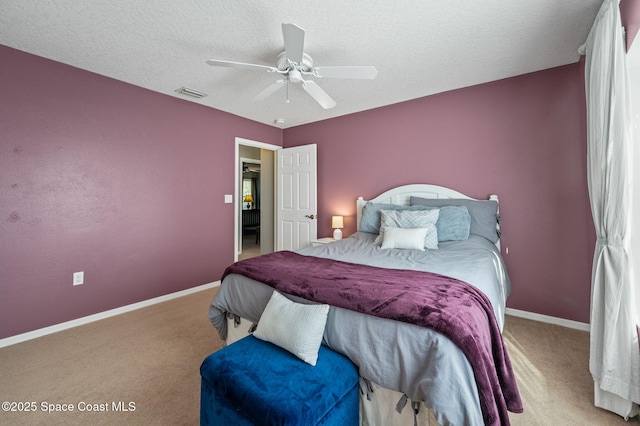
x=484, y=213
x=453, y=223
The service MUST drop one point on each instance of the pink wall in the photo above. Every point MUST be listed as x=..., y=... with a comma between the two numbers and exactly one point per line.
x=522, y=138
x=630, y=14
x=103, y=177
x=127, y=185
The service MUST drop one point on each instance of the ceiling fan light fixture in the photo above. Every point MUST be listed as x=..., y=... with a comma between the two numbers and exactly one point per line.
x=295, y=76
x=293, y=63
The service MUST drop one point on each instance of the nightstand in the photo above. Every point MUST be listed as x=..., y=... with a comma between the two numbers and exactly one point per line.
x=320, y=241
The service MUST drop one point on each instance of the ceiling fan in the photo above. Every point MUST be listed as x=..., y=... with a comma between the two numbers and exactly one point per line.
x=293, y=64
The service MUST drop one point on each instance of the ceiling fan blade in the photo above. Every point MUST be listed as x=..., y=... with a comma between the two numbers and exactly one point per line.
x=242, y=65
x=366, y=73
x=293, y=42
x=318, y=94
x=270, y=90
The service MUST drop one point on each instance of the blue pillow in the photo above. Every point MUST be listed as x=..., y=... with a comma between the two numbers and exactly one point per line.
x=454, y=222
x=484, y=213
x=370, y=220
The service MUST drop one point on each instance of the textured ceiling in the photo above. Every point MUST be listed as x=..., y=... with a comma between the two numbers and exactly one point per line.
x=419, y=47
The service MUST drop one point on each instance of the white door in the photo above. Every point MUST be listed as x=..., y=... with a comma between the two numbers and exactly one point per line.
x=296, y=188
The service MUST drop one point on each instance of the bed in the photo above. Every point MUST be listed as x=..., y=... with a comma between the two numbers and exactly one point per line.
x=409, y=373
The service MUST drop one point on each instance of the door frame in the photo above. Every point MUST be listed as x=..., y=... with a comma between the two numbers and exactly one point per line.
x=237, y=203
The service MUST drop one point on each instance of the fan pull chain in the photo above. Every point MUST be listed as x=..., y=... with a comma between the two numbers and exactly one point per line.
x=287, y=88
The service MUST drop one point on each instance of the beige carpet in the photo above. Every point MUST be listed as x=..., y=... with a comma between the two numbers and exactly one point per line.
x=552, y=368
x=151, y=358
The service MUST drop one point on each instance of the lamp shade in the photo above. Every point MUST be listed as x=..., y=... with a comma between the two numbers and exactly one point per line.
x=337, y=222
x=248, y=199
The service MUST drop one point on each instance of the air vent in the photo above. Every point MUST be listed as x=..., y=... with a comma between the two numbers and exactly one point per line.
x=191, y=92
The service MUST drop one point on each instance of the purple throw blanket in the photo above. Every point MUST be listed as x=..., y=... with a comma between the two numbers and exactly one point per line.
x=451, y=307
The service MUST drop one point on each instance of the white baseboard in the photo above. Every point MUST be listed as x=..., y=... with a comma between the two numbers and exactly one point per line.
x=582, y=326
x=117, y=311
x=102, y=315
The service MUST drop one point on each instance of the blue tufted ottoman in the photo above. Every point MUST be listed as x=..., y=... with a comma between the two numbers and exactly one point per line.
x=253, y=382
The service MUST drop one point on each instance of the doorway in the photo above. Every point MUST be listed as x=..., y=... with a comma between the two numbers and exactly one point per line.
x=251, y=199
x=255, y=162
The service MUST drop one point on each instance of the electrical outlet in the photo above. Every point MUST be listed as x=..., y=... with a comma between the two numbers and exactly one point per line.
x=78, y=278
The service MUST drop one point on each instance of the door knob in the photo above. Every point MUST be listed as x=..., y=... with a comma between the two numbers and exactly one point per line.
x=310, y=216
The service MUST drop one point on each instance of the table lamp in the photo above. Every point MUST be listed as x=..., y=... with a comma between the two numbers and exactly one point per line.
x=337, y=222
x=248, y=199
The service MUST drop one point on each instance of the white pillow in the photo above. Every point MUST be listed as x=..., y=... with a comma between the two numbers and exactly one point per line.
x=404, y=238
x=296, y=327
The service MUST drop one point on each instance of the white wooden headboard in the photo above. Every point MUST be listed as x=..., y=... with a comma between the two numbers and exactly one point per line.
x=402, y=194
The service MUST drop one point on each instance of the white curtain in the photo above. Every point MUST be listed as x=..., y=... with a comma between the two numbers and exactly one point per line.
x=614, y=359
x=633, y=67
